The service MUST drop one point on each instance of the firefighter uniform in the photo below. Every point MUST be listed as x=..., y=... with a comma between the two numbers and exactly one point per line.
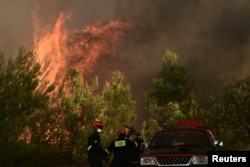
x=136, y=149
x=121, y=148
x=94, y=148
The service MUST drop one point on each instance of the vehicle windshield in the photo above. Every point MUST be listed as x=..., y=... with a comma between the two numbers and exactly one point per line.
x=180, y=138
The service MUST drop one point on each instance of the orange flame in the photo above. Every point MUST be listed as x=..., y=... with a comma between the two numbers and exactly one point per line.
x=49, y=47
x=56, y=52
x=95, y=40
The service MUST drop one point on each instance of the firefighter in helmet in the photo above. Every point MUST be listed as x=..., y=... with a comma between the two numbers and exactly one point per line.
x=94, y=148
x=136, y=138
x=120, y=148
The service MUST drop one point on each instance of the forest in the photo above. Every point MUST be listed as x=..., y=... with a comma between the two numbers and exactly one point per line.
x=47, y=124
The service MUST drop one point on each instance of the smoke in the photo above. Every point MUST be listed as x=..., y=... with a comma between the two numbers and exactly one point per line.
x=211, y=37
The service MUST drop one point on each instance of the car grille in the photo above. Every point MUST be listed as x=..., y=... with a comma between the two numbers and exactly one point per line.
x=174, y=160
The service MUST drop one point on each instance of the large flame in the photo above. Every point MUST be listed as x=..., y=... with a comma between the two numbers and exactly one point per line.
x=57, y=52
x=95, y=40
x=49, y=47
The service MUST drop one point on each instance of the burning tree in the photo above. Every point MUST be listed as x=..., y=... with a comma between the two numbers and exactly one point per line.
x=59, y=49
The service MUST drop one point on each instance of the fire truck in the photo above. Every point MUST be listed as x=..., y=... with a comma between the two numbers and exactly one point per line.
x=186, y=144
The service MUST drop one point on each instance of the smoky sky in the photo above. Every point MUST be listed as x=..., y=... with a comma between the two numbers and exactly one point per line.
x=210, y=37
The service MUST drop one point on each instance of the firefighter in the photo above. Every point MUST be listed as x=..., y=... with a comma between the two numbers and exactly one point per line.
x=135, y=151
x=120, y=148
x=94, y=148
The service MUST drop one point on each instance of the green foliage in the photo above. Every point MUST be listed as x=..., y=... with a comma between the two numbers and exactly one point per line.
x=174, y=113
x=76, y=104
x=230, y=112
x=75, y=107
x=59, y=119
x=18, y=95
x=149, y=129
x=119, y=106
x=20, y=99
x=172, y=97
x=171, y=83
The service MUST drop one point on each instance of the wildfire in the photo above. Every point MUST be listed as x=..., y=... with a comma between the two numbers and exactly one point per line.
x=49, y=47
x=57, y=52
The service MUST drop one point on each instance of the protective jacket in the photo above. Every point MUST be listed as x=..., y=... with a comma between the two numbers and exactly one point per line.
x=95, y=150
x=135, y=151
x=121, y=148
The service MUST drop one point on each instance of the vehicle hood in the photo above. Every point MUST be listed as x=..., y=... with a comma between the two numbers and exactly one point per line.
x=184, y=150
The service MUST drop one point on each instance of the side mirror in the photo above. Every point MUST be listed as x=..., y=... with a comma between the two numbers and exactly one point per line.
x=144, y=145
x=218, y=143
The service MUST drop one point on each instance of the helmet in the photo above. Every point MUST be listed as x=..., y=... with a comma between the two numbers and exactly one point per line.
x=97, y=123
x=122, y=131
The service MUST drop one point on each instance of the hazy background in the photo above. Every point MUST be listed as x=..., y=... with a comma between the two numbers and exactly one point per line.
x=211, y=37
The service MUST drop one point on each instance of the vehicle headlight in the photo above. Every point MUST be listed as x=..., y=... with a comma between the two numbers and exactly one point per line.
x=200, y=160
x=147, y=161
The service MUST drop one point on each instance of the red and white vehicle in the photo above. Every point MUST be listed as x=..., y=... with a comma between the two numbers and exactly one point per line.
x=184, y=145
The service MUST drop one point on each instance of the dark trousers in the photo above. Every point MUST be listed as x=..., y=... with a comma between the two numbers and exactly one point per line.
x=131, y=164
x=96, y=164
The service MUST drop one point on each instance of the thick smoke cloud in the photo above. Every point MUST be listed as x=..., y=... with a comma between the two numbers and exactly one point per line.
x=211, y=37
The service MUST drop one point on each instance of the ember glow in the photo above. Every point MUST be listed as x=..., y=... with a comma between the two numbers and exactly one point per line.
x=58, y=49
